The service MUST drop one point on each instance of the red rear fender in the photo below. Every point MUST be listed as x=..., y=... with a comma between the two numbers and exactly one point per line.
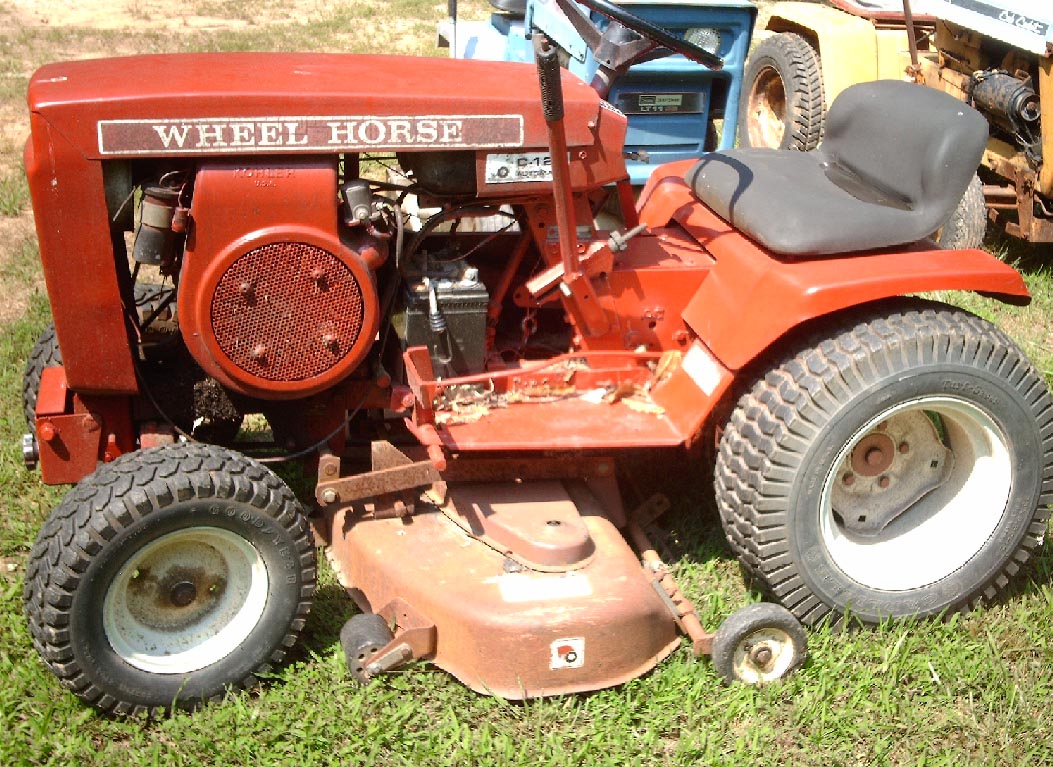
x=751, y=298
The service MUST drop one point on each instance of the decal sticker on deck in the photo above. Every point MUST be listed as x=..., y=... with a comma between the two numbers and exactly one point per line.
x=239, y=135
x=524, y=167
x=521, y=587
x=567, y=653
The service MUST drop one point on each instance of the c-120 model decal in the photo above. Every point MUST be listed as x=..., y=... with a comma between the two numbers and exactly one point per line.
x=233, y=135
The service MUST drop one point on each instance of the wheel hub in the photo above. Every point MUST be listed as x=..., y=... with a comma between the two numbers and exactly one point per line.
x=183, y=593
x=185, y=600
x=767, y=104
x=873, y=455
x=896, y=463
x=761, y=656
x=764, y=655
x=916, y=493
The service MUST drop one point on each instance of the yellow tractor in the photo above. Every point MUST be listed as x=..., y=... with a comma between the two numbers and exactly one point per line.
x=995, y=56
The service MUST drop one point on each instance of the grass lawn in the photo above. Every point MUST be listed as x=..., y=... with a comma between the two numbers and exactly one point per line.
x=975, y=689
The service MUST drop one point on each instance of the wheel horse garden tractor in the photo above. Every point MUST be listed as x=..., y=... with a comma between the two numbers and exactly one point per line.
x=876, y=455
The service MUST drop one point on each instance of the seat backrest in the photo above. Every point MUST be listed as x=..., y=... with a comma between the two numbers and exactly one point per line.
x=917, y=145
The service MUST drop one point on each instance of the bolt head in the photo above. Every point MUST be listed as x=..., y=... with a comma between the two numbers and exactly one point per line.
x=329, y=496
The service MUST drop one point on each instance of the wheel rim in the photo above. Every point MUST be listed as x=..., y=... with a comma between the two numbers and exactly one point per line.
x=763, y=656
x=767, y=109
x=185, y=600
x=915, y=494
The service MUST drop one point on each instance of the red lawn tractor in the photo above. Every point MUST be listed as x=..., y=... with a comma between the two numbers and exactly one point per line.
x=464, y=395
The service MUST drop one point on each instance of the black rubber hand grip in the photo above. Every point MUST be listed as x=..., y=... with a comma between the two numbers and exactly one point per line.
x=549, y=78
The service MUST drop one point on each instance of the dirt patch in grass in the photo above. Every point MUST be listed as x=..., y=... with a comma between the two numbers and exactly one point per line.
x=20, y=275
x=154, y=14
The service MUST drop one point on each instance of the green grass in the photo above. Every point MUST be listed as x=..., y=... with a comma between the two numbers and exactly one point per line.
x=14, y=193
x=975, y=689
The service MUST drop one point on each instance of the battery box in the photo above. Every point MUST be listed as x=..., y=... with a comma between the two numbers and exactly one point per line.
x=443, y=307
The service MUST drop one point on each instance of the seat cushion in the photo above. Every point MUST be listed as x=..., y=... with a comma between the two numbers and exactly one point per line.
x=788, y=202
x=896, y=160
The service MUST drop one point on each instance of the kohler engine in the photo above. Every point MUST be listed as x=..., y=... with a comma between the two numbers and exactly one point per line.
x=274, y=301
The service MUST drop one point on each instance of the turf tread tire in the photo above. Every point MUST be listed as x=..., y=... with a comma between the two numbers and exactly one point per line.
x=968, y=224
x=116, y=497
x=763, y=445
x=44, y=354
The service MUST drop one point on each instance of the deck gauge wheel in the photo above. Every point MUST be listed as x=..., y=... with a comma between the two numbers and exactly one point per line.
x=362, y=637
x=759, y=644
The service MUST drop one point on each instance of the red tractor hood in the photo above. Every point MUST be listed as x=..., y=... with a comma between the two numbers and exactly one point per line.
x=238, y=103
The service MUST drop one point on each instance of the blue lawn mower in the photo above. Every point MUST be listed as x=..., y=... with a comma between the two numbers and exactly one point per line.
x=677, y=109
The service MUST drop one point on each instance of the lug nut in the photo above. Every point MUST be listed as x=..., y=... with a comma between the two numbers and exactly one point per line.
x=883, y=482
x=904, y=448
x=849, y=478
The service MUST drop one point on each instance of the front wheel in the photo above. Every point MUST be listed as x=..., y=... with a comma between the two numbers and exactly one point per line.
x=168, y=576
x=899, y=467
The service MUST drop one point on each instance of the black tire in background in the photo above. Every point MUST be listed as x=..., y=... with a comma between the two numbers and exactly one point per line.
x=44, y=354
x=968, y=224
x=901, y=464
x=782, y=104
x=169, y=576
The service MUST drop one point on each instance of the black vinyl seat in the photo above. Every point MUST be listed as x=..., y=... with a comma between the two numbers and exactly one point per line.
x=894, y=162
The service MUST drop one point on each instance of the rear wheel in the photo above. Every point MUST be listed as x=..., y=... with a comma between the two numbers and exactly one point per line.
x=899, y=467
x=169, y=576
x=782, y=95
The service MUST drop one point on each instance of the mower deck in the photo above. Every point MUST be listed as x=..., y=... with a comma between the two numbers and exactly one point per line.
x=518, y=589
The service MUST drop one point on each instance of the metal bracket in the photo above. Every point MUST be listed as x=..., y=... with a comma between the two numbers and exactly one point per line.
x=416, y=638
x=393, y=473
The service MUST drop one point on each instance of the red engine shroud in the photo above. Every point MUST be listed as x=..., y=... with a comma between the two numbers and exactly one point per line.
x=86, y=113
